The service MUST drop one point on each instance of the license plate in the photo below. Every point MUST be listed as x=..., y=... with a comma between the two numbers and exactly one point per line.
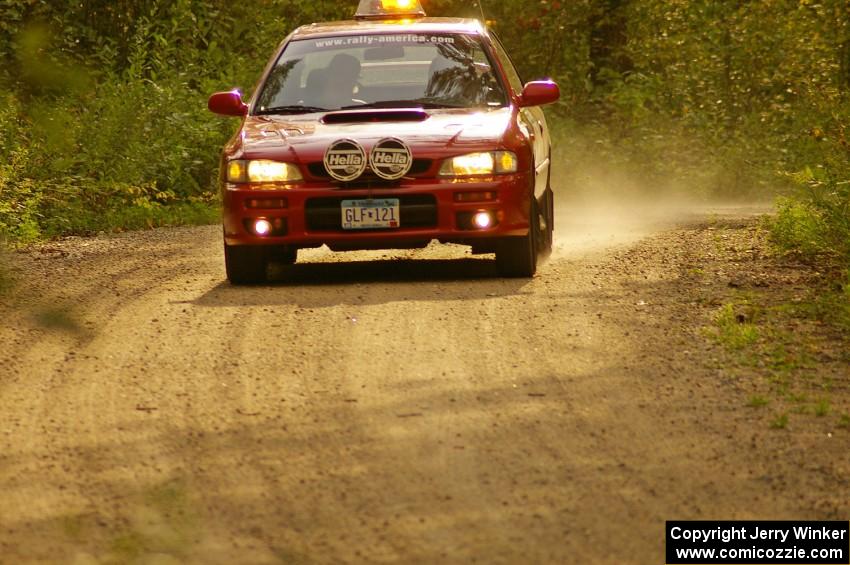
x=370, y=214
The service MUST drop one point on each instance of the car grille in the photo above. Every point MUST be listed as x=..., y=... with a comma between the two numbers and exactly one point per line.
x=419, y=168
x=417, y=211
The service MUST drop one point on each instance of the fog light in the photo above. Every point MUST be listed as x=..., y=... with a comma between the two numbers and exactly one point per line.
x=482, y=220
x=262, y=228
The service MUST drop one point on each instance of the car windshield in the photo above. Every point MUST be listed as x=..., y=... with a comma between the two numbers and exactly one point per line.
x=450, y=70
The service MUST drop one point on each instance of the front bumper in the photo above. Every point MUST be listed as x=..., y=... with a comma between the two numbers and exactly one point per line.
x=429, y=211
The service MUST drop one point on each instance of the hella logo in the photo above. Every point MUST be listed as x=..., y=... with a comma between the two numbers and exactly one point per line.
x=391, y=159
x=345, y=160
x=338, y=160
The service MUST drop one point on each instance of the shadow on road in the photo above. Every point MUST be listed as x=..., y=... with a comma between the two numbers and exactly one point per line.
x=316, y=285
x=307, y=475
x=402, y=270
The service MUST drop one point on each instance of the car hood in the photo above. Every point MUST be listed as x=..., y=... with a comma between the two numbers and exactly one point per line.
x=430, y=133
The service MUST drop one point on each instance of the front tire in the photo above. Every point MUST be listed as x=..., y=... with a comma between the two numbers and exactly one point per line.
x=283, y=255
x=516, y=257
x=245, y=264
x=547, y=232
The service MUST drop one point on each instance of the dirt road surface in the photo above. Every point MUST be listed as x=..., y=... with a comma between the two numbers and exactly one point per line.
x=376, y=407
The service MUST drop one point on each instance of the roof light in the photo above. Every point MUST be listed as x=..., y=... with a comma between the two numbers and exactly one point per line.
x=389, y=9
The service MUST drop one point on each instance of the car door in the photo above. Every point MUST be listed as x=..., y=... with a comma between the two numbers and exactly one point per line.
x=532, y=121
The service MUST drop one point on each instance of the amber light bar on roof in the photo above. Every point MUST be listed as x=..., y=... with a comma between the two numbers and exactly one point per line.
x=389, y=9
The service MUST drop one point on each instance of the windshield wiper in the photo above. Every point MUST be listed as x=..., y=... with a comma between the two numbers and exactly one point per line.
x=292, y=109
x=427, y=104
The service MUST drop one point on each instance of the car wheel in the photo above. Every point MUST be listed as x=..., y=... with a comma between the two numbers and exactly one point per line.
x=517, y=256
x=547, y=231
x=283, y=255
x=245, y=264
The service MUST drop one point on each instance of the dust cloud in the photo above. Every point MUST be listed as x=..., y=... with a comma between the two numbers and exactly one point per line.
x=600, y=206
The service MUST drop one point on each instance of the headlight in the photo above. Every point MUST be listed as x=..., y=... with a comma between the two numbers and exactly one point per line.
x=262, y=172
x=480, y=164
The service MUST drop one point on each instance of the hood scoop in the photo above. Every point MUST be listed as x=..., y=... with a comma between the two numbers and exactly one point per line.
x=372, y=116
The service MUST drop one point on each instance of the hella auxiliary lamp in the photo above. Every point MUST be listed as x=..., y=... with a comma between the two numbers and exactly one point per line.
x=389, y=9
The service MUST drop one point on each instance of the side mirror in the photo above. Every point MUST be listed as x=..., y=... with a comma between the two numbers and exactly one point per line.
x=228, y=104
x=539, y=93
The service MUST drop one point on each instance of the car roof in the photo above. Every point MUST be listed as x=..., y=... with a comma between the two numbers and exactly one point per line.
x=420, y=25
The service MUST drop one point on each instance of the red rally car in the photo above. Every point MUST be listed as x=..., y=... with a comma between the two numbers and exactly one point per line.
x=388, y=132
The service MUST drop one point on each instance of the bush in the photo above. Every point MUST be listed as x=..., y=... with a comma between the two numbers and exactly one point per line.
x=816, y=221
x=19, y=196
x=128, y=149
x=798, y=227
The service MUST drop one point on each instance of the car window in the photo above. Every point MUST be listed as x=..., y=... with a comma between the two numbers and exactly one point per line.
x=450, y=70
x=514, y=77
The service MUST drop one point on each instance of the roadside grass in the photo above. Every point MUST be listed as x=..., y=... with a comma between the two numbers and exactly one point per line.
x=780, y=422
x=148, y=216
x=831, y=307
x=758, y=339
x=734, y=329
x=758, y=401
x=789, y=340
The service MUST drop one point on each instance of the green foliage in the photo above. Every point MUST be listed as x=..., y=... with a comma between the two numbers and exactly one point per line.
x=780, y=422
x=758, y=402
x=732, y=329
x=719, y=96
x=817, y=222
x=798, y=227
x=126, y=150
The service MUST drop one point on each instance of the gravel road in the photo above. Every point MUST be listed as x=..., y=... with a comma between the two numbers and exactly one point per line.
x=367, y=407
